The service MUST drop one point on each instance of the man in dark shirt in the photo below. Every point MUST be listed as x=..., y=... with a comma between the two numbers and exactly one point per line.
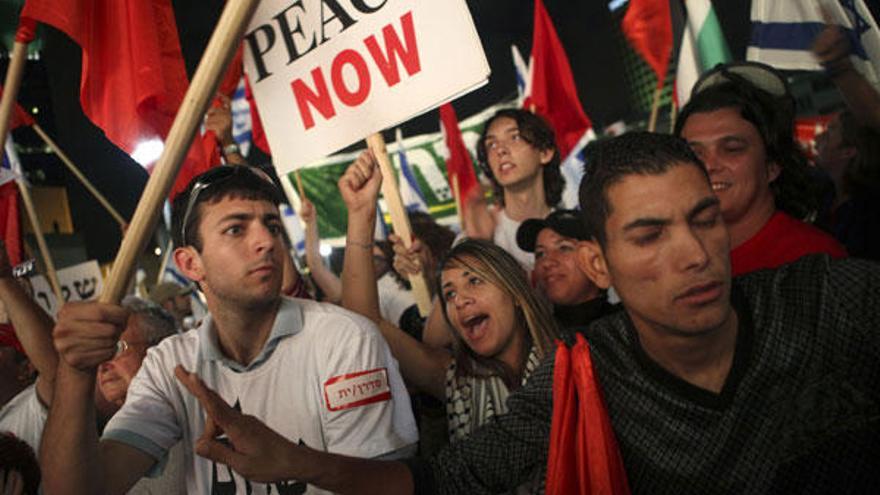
x=768, y=383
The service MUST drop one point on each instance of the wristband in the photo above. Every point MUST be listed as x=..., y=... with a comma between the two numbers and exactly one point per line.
x=231, y=148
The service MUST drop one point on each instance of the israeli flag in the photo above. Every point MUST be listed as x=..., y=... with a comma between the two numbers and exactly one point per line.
x=410, y=192
x=783, y=32
x=523, y=73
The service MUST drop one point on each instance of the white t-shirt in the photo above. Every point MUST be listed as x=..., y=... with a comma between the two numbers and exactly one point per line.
x=25, y=417
x=325, y=378
x=505, y=237
x=393, y=299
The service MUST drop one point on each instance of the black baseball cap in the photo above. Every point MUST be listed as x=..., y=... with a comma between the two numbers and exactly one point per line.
x=566, y=223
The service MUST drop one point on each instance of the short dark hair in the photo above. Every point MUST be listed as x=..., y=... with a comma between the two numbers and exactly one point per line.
x=609, y=161
x=537, y=132
x=794, y=191
x=237, y=181
x=16, y=455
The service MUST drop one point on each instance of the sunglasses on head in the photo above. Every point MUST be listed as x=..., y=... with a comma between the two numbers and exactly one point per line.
x=213, y=177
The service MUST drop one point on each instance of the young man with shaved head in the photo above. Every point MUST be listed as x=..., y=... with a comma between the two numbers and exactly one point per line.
x=769, y=383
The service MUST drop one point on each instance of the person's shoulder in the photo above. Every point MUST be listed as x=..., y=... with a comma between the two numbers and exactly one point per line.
x=178, y=348
x=329, y=319
x=807, y=238
x=610, y=328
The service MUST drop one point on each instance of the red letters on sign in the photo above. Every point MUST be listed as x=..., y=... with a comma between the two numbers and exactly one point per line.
x=386, y=60
x=354, y=59
x=320, y=100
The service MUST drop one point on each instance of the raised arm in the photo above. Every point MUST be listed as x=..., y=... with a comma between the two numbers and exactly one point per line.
x=321, y=274
x=421, y=365
x=218, y=119
x=33, y=327
x=832, y=48
x=70, y=457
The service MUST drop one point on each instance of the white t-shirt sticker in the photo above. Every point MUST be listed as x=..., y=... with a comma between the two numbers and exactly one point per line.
x=357, y=389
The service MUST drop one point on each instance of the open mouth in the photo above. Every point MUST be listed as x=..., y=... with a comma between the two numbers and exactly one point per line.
x=474, y=326
x=506, y=167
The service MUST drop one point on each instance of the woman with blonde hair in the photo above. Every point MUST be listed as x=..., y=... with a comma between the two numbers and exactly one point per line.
x=501, y=329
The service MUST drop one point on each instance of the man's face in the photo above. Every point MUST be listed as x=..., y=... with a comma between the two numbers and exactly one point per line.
x=557, y=272
x=513, y=161
x=666, y=253
x=832, y=154
x=736, y=159
x=242, y=253
x=115, y=376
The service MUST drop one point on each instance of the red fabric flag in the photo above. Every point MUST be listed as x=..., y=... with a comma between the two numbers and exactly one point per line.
x=459, y=163
x=584, y=457
x=553, y=94
x=19, y=116
x=10, y=227
x=647, y=24
x=133, y=74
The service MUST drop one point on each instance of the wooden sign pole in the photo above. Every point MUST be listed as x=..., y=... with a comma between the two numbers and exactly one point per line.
x=399, y=219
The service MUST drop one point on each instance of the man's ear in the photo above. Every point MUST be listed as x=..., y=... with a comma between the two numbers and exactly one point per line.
x=591, y=260
x=190, y=263
x=773, y=171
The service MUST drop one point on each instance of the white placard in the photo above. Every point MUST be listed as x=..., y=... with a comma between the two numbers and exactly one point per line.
x=82, y=282
x=327, y=73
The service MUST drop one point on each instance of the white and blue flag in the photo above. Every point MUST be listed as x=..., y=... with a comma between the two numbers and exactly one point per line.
x=784, y=31
x=410, y=192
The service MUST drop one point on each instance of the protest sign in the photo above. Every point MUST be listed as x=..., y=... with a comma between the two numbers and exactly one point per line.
x=82, y=282
x=327, y=73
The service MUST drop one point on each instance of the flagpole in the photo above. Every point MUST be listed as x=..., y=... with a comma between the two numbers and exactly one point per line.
x=299, y=185
x=220, y=50
x=655, y=108
x=79, y=175
x=456, y=195
x=166, y=255
x=399, y=219
x=10, y=87
x=51, y=274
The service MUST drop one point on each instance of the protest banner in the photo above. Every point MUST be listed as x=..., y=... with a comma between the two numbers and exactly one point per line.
x=326, y=74
x=82, y=282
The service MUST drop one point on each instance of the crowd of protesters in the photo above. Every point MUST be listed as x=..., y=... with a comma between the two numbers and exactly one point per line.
x=743, y=355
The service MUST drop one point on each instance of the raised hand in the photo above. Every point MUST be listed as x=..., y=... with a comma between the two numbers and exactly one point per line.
x=307, y=212
x=219, y=120
x=86, y=333
x=407, y=260
x=360, y=183
x=253, y=449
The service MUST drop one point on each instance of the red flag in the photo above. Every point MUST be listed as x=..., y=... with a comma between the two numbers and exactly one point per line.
x=552, y=93
x=458, y=163
x=133, y=74
x=583, y=457
x=647, y=24
x=10, y=227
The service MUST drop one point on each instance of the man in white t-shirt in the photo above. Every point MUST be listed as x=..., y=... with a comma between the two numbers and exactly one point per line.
x=321, y=375
x=517, y=152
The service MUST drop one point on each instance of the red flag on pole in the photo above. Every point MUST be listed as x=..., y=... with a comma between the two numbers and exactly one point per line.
x=133, y=74
x=584, y=457
x=647, y=24
x=458, y=164
x=553, y=94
